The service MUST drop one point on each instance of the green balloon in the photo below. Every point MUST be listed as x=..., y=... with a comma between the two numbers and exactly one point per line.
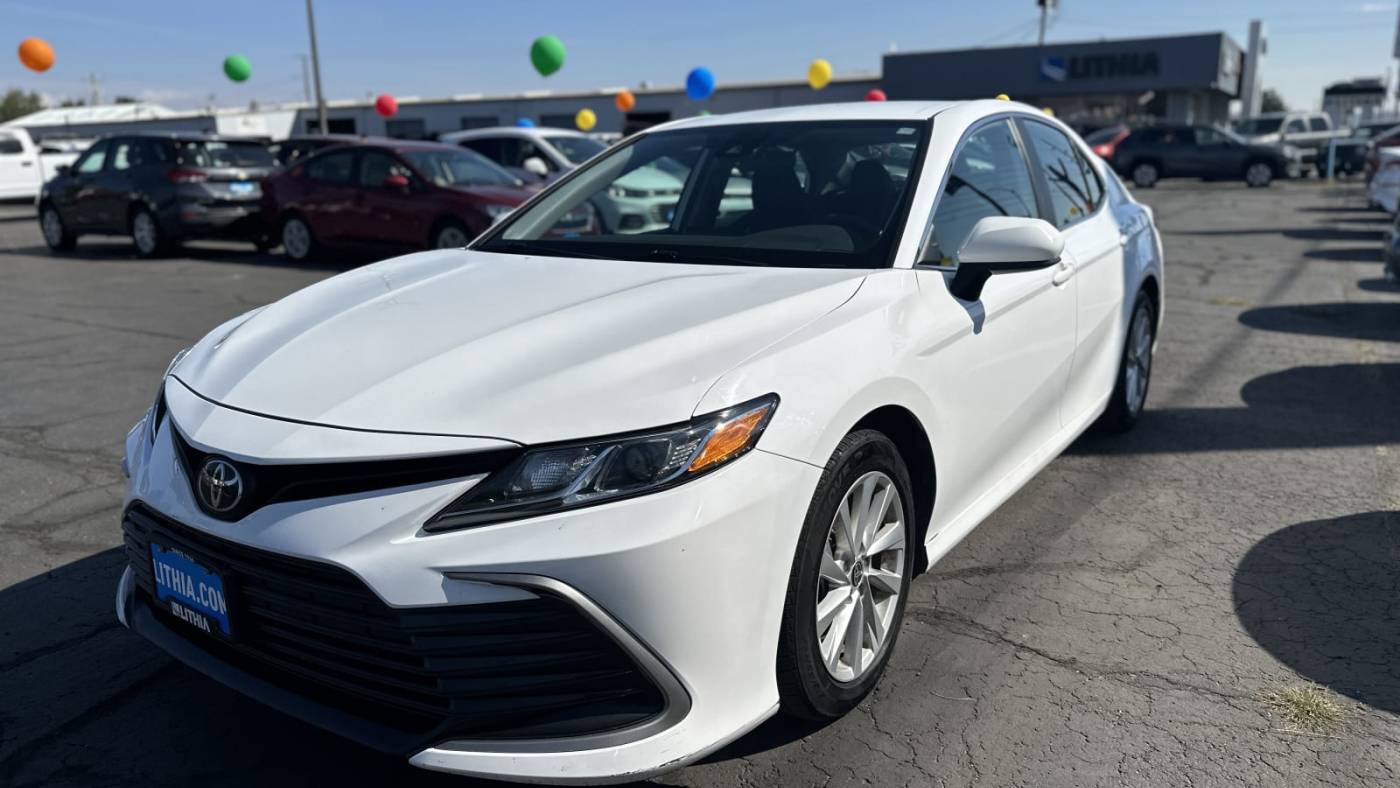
x=237, y=68
x=547, y=54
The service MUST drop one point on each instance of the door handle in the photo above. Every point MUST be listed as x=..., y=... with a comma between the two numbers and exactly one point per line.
x=1063, y=273
x=26, y=164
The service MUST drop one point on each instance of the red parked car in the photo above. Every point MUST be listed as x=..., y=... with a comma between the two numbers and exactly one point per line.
x=389, y=195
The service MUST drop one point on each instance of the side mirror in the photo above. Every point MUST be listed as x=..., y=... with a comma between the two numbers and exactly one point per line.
x=397, y=182
x=1000, y=245
x=535, y=166
x=61, y=169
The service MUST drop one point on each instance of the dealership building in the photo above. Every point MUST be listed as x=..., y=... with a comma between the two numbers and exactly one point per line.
x=1180, y=78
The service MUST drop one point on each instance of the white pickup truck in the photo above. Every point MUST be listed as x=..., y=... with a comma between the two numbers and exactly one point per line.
x=1310, y=132
x=26, y=165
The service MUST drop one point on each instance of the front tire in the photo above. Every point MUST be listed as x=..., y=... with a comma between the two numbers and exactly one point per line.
x=849, y=580
x=56, y=234
x=1259, y=174
x=1134, y=369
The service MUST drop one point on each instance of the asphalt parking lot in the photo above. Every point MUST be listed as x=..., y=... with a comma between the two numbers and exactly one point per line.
x=1117, y=623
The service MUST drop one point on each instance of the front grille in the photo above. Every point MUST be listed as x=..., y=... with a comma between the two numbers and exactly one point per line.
x=529, y=668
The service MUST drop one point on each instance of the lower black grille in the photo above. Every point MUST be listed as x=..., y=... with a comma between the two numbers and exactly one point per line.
x=503, y=670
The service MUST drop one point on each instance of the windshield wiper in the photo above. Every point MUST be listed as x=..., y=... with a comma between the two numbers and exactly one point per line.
x=673, y=256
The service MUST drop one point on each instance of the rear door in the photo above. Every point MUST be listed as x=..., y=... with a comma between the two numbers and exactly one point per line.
x=1094, y=247
x=1008, y=370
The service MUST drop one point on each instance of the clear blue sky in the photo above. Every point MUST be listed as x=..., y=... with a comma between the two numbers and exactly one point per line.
x=170, y=51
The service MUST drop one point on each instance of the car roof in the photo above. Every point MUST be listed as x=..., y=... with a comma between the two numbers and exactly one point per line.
x=184, y=136
x=511, y=131
x=852, y=110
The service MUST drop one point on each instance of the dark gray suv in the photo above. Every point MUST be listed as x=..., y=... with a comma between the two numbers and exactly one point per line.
x=159, y=189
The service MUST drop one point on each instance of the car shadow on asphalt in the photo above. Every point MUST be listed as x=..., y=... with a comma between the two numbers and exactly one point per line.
x=1350, y=254
x=121, y=250
x=83, y=701
x=1375, y=321
x=1379, y=285
x=1320, y=597
x=1299, y=408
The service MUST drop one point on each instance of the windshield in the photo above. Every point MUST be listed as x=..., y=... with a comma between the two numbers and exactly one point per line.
x=807, y=194
x=1259, y=126
x=224, y=154
x=577, y=149
x=458, y=168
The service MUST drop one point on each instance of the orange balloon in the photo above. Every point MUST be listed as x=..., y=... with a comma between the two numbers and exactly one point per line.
x=36, y=54
x=624, y=100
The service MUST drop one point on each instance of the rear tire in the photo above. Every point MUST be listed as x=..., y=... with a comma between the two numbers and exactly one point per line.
x=847, y=588
x=1134, y=369
x=56, y=234
x=450, y=234
x=147, y=236
x=298, y=242
x=1146, y=174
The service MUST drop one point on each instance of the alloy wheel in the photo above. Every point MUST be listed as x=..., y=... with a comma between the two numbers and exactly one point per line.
x=1258, y=174
x=1139, y=360
x=451, y=237
x=144, y=233
x=1144, y=175
x=296, y=239
x=862, y=572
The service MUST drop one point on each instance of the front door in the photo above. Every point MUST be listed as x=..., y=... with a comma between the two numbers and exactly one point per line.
x=391, y=208
x=1005, y=357
x=79, y=196
x=19, y=169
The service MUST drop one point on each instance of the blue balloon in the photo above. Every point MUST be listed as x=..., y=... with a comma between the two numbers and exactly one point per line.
x=699, y=84
x=525, y=123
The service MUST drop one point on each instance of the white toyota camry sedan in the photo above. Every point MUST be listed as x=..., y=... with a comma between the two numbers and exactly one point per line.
x=583, y=508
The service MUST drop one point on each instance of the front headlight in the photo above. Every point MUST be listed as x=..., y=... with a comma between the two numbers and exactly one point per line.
x=555, y=478
x=157, y=411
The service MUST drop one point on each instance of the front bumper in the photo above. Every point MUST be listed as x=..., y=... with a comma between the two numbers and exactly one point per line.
x=689, y=581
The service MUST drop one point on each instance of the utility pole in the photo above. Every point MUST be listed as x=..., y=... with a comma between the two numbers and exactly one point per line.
x=305, y=79
x=316, y=71
x=94, y=94
x=1045, y=7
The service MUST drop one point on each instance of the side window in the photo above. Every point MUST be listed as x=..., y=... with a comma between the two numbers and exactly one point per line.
x=123, y=154
x=1317, y=123
x=331, y=168
x=152, y=152
x=490, y=147
x=526, y=149
x=9, y=144
x=92, y=161
x=1071, y=195
x=376, y=166
x=1208, y=136
x=988, y=177
x=1295, y=126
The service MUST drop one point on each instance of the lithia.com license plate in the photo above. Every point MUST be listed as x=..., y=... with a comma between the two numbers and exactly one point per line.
x=192, y=592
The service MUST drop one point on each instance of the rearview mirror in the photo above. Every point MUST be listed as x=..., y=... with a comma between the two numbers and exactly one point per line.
x=535, y=166
x=1003, y=244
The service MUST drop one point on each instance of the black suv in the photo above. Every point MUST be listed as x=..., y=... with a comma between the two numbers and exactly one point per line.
x=1148, y=154
x=159, y=189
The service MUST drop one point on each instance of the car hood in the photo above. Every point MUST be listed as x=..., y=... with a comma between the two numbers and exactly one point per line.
x=651, y=179
x=529, y=349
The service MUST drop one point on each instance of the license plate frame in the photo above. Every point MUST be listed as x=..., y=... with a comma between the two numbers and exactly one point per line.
x=242, y=188
x=192, y=589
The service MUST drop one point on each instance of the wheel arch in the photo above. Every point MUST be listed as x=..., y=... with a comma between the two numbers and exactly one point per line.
x=904, y=429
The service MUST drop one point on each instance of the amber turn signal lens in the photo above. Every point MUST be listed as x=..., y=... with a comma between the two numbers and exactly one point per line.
x=729, y=438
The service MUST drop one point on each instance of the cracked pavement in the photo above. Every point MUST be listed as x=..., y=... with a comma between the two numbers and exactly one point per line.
x=1114, y=624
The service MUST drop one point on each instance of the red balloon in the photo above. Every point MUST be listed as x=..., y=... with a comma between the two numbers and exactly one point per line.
x=386, y=105
x=875, y=94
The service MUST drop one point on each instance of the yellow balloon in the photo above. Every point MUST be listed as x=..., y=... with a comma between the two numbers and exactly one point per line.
x=1048, y=111
x=585, y=119
x=1003, y=97
x=819, y=74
